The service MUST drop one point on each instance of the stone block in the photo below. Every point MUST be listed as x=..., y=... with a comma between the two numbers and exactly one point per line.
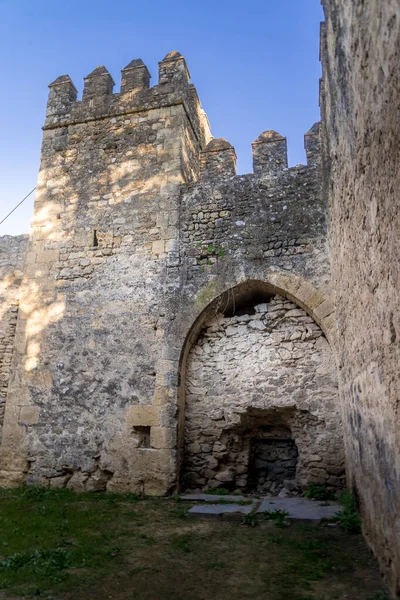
x=324, y=309
x=11, y=479
x=59, y=482
x=261, y=308
x=29, y=415
x=157, y=247
x=287, y=284
x=78, y=481
x=304, y=292
x=143, y=416
x=163, y=437
x=211, y=498
x=97, y=482
x=316, y=298
x=219, y=510
x=300, y=509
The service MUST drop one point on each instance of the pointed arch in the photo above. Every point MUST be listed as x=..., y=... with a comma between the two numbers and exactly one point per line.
x=313, y=300
x=217, y=297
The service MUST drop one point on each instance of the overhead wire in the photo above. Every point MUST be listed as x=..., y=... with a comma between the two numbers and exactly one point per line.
x=19, y=204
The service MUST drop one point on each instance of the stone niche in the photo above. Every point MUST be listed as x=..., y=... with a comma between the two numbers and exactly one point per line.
x=273, y=462
x=262, y=407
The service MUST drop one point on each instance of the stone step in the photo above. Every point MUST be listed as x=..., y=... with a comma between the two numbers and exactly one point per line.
x=220, y=510
x=300, y=509
x=212, y=497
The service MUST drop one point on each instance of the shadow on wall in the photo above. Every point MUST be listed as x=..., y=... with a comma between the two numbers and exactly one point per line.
x=59, y=345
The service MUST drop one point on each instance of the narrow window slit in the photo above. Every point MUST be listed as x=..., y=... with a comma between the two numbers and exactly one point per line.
x=143, y=436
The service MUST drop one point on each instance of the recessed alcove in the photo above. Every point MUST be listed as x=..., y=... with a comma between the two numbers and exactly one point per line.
x=261, y=399
x=273, y=463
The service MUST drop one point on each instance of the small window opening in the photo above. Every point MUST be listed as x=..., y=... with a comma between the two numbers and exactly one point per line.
x=95, y=239
x=143, y=436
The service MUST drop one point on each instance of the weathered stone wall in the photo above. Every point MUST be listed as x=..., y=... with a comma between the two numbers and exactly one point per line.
x=360, y=100
x=257, y=223
x=249, y=374
x=140, y=227
x=106, y=221
x=247, y=236
x=12, y=255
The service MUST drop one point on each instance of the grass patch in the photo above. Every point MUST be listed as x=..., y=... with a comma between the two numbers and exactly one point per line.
x=348, y=518
x=380, y=595
x=279, y=517
x=181, y=543
x=59, y=544
x=218, y=491
x=314, y=491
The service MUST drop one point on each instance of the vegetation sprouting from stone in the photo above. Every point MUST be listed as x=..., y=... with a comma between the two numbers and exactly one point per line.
x=279, y=517
x=348, y=518
x=218, y=491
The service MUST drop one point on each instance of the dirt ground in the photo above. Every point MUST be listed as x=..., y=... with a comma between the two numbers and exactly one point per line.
x=64, y=546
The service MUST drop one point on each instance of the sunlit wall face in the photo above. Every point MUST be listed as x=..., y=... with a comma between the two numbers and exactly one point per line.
x=248, y=81
x=140, y=223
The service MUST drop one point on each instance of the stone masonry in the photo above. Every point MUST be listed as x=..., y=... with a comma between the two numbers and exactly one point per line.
x=141, y=231
x=12, y=255
x=134, y=354
x=360, y=100
x=251, y=376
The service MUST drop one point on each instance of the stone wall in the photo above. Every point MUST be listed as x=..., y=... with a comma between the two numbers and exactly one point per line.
x=360, y=101
x=106, y=220
x=12, y=256
x=258, y=222
x=264, y=368
x=140, y=226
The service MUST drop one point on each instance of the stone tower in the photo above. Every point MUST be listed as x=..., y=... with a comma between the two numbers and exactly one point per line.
x=153, y=274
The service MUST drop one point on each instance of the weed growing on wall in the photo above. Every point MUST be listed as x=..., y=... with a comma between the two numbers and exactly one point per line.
x=348, y=518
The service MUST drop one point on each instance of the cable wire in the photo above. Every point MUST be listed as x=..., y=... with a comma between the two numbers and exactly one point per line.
x=19, y=204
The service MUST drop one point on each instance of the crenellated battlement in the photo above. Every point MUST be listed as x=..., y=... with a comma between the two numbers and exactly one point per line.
x=174, y=88
x=269, y=153
x=218, y=159
x=312, y=145
x=100, y=101
x=135, y=77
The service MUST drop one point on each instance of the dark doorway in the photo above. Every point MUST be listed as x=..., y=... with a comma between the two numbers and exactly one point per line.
x=273, y=461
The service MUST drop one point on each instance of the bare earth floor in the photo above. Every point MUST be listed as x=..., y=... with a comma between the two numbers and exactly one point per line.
x=60, y=545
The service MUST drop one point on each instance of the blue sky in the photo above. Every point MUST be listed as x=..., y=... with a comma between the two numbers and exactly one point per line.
x=255, y=66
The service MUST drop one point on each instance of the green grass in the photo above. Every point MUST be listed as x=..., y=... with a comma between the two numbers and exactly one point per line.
x=277, y=516
x=348, y=518
x=314, y=491
x=218, y=491
x=64, y=545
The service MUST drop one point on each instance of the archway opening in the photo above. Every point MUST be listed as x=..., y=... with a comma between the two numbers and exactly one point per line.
x=261, y=400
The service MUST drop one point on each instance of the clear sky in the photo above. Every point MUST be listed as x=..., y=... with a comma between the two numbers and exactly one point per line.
x=255, y=66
